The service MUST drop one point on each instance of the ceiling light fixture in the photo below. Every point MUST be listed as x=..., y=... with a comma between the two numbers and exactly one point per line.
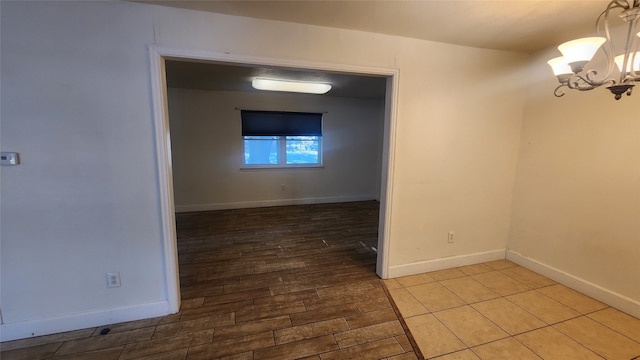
x=622, y=71
x=291, y=86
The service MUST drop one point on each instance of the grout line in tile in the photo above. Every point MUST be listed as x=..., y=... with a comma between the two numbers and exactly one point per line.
x=410, y=336
x=610, y=328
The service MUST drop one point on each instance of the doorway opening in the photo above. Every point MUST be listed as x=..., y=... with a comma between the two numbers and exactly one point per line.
x=159, y=60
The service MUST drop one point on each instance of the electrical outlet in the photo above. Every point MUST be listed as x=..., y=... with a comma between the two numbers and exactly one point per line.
x=113, y=279
x=9, y=158
x=451, y=237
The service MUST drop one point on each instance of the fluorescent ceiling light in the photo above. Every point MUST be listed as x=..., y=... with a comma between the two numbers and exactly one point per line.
x=290, y=86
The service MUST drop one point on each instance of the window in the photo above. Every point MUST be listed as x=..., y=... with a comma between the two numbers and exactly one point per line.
x=281, y=139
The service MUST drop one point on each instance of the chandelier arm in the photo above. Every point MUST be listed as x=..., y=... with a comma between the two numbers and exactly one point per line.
x=623, y=3
x=605, y=14
x=629, y=54
x=588, y=79
x=558, y=91
x=602, y=24
x=582, y=87
x=579, y=85
x=634, y=49
x=582, y=83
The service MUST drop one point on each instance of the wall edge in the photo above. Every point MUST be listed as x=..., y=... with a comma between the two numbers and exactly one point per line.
x=275, y=202
x=71, y=322
x=607, y=296
x=419, y=267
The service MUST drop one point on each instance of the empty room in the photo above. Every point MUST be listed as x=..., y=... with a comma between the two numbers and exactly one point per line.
x=448, y=196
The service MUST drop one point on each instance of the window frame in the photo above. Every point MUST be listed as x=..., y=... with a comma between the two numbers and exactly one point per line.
x=282, y=156
x=281, y=125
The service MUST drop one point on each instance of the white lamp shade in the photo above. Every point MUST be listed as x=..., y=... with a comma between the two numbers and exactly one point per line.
x=636, y=62
x=581, y=49
x=290, y=86
x=559, y=66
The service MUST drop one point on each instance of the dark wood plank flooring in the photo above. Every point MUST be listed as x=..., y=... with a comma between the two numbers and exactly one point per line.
x=269, y=283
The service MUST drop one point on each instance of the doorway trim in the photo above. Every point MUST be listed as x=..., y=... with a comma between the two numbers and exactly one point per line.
x=160, y=114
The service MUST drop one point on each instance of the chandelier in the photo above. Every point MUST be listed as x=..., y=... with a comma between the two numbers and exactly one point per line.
x=573, y=68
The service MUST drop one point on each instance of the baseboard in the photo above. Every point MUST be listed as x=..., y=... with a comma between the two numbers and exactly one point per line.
x=611, y=298
x=33, y=328
x=444, y=263
x=276, y=202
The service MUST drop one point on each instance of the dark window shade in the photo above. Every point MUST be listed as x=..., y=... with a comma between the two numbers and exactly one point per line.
x=278, y=123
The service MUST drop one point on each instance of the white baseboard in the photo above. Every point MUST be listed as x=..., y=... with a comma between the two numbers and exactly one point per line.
x=444, y=263
x=32, y=328
x=276, y=202
x=611, y=298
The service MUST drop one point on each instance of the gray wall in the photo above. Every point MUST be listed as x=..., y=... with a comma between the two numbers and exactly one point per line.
x=207, y=151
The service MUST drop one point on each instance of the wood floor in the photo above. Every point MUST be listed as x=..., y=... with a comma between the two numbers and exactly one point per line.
x=269, y=283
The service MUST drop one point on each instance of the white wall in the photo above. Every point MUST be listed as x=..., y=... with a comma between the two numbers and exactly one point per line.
x=207, y=151
x=76, y=105
x=576, y=207
x=84, y=200
x=458, y=135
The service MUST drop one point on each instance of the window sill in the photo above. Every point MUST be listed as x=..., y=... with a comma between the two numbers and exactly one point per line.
x=287, y=167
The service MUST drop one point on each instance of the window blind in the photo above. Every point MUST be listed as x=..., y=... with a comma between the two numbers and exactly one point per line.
x=280, y=123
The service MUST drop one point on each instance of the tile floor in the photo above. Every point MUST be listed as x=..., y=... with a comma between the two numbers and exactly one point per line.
x=499, y=310
x=299, y=282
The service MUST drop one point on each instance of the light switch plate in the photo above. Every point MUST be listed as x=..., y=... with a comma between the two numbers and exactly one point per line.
x=9, y=158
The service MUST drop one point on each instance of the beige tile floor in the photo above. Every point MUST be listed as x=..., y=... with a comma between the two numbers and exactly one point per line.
x=499, y=310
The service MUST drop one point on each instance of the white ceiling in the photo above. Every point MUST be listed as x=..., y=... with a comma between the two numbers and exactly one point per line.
x=513, y=25
x=516, y=25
